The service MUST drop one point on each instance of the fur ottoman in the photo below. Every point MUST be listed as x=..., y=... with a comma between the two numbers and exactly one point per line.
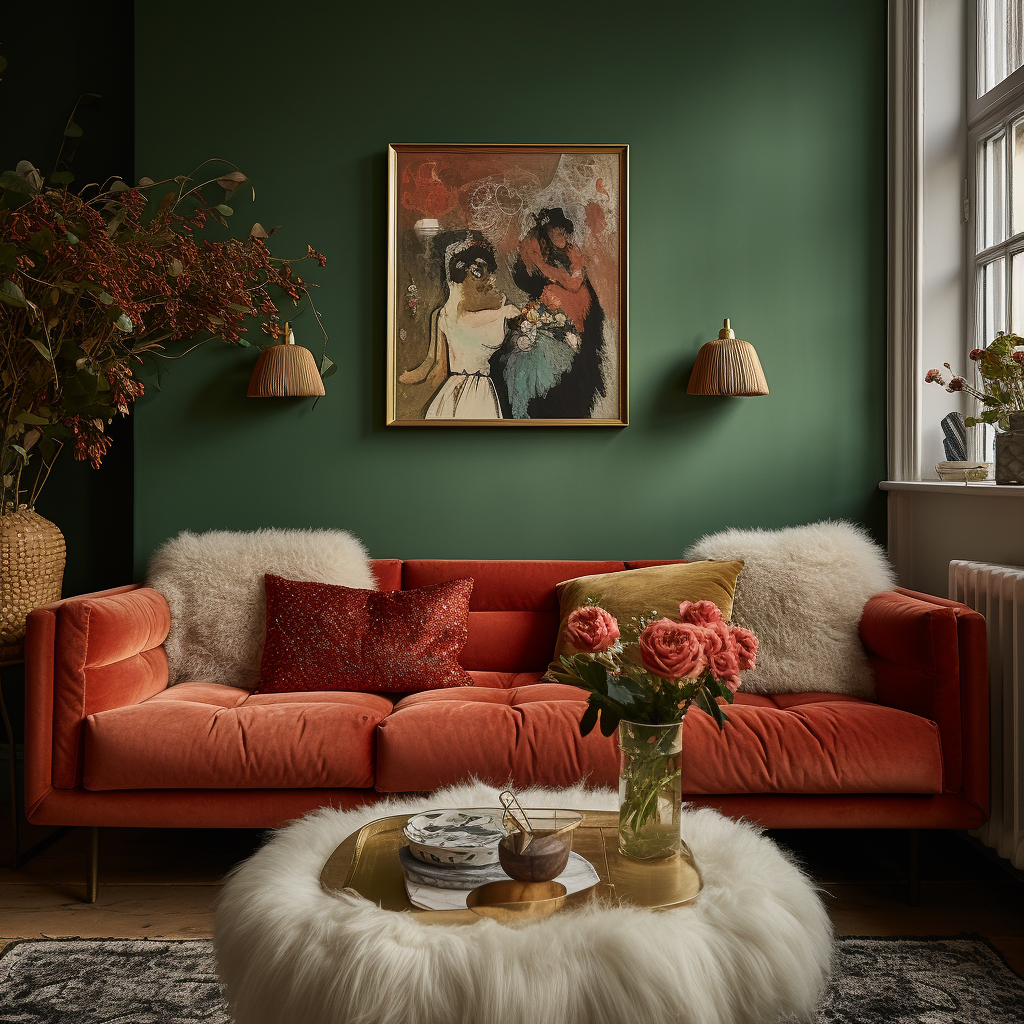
x=754, y=947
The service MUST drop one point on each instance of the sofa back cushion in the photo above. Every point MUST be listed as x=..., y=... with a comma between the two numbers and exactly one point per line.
x=513, y=613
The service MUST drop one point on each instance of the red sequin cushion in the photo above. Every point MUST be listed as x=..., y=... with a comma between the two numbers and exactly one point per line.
x=324, y=637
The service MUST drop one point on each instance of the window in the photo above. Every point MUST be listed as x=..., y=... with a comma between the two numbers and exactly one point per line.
x=995, y=142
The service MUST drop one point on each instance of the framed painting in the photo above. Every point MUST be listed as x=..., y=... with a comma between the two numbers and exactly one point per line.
x=507, y=286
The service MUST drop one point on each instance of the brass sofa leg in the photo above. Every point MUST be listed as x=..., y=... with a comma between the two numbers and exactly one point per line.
x=92, y=880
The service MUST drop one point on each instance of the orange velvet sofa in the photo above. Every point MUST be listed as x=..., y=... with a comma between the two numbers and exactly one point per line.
x=109, y=743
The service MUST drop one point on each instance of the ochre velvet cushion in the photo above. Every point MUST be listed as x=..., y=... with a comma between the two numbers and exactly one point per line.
x=660, y=588
x=324, y=637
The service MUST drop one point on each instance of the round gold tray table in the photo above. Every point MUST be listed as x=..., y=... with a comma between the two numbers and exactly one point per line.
x=367, y=863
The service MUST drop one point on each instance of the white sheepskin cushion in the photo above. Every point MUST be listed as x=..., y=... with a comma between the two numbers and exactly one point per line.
x=213, y=583
x=802, y=591
x=755, y=946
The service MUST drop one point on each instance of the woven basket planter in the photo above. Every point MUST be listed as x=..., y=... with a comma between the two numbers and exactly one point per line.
x=31, y=573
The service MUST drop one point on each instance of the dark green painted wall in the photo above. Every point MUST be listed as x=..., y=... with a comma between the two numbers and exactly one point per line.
x=93, y=508
x=757, y=135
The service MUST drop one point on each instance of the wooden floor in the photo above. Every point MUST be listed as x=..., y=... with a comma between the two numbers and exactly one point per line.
x=164, y=883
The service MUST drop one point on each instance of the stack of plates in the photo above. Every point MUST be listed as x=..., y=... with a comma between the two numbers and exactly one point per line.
x=452, y=852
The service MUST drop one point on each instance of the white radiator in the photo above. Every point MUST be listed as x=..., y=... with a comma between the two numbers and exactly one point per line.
x=997, y=591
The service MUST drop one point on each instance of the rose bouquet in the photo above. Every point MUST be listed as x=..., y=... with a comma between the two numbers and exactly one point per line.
x=643, y=676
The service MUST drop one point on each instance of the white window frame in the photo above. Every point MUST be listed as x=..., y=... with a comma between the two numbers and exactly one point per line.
x=988, y=115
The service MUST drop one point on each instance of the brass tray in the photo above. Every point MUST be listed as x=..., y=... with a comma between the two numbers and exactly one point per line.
x=367, y=864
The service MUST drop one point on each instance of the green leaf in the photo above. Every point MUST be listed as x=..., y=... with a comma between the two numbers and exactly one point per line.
x=41, y=240
x=105, y=299
x=118, y=186
x=73, y=131
x=31, y=418
x=609, y=721
x=589, y=720
x=41, y=348
x=327, y=367
x=11, y=294
x=61, y=178
x=124, y=322
x=224, y=209
x=71, y=237
x=8, y=255
x=3, y=63
x=16, y=183
x=619, y=693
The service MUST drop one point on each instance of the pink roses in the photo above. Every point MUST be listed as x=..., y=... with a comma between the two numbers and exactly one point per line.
x=701, y=640
x=673, y=650
x=591, y=629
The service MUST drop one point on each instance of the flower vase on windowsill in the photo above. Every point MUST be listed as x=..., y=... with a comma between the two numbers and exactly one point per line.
x=643, y=677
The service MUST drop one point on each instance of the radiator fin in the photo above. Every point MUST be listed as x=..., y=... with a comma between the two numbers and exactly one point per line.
x=997, y=591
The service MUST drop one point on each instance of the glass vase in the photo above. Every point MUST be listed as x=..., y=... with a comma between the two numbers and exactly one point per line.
x=650, y=789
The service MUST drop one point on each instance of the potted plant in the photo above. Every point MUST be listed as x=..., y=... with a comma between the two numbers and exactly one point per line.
x=92, y=281
x=1000, y=367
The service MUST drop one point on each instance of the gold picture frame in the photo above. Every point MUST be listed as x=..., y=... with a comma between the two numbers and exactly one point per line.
x=507, y=285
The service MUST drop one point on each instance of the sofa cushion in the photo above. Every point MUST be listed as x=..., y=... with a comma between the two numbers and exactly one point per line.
x=513, y=613
x=322, y=637
x=529, y=734
x=211, y=736
x=791, y=743
x=634, y=592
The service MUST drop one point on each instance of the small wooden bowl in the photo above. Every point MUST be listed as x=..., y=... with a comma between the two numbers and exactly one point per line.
x=512, y=902
x=544, y=859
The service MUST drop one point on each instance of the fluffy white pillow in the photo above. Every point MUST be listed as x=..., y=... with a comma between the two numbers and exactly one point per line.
x=213, y=583
x=802, y=591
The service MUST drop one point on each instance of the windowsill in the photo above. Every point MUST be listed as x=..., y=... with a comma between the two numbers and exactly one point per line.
x=986, y=488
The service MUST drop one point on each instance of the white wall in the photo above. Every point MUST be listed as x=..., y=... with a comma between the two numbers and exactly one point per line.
x=944, y=170
x=931, y=526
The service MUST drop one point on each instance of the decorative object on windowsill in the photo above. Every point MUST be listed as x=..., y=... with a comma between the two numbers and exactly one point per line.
x=1000, y=367
x=954, y=437
x=963, y=471
x=727, y=366
x=643, y=677
x=286, y=371
x=90, y=283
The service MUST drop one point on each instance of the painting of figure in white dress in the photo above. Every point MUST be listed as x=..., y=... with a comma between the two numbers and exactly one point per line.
x=507, y=271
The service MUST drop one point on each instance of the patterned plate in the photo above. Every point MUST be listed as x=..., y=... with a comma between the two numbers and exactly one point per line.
x=454, y=837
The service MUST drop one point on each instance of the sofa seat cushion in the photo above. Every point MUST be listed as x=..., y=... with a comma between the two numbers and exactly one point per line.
x=784, y=743
x=210, y=736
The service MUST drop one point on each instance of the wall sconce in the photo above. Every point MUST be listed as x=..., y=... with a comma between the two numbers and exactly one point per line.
x=285, y=371
x=727, y=366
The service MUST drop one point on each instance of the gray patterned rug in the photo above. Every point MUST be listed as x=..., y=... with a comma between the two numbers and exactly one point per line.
x=118, y=981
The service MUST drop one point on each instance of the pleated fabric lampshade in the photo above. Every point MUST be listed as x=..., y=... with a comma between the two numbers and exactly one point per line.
x=285, y=371
x=727, y=366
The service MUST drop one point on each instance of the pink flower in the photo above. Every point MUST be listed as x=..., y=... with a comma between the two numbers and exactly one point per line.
x=700, y=613
x=591, y=629
x=746, y=647
x=956, y=384
x=721, y=651
x=673, y=650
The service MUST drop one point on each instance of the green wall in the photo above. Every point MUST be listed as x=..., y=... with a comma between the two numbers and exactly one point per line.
x=757, y=159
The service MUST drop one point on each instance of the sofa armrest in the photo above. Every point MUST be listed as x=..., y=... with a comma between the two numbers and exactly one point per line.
x=930, y=658
x=82, y=656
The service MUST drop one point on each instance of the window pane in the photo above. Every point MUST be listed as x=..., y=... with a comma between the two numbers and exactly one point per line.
x=1000, y=41
x=992, y=191
x=1016, y=294
x=1017, y=174
x=992, y=296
